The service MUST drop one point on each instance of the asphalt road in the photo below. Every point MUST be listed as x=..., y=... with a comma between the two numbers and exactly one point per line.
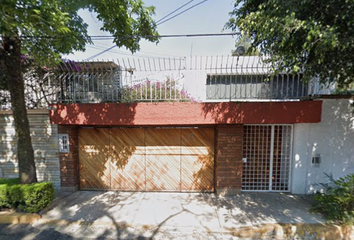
x=27, y=232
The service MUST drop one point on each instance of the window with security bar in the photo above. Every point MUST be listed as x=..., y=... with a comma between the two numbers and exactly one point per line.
x=89, y=82
x=248, y=86
x=266, y=157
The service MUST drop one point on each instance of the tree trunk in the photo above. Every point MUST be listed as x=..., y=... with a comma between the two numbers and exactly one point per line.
x=11, y=64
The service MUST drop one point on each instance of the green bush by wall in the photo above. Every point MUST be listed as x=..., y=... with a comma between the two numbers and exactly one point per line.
x=27, y=197
x=337, y=202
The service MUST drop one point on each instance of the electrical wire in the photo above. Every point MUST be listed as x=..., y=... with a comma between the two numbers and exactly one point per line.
x=140, y=54
x=168, y=19
x=168, y=36
x=175, y=35
x=100, y=53
x=98, y=38
x=174, y=11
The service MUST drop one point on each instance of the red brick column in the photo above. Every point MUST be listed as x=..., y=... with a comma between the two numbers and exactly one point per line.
x=69, y=172
x=229, y=159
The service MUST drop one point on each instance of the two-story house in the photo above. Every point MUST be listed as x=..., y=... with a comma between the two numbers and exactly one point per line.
x=204, y=124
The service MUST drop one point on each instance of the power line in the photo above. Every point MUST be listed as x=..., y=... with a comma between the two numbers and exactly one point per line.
x=176, y=35
x=200, y=34
x=139, y=54
x=169, y=36
x=168, y=19
x=173, y=11
x=102, y=37
x=100, y=53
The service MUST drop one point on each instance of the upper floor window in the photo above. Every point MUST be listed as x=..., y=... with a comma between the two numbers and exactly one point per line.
x=236, y=87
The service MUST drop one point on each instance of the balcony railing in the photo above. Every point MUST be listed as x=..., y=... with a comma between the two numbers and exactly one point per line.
x=114, y=83
x=163, y=79
x=97, y=90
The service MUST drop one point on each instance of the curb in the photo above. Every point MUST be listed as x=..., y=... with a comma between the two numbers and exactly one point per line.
x=263, y=231
x=18, y=218
x=297, y=231
x=12, y=217
x=61, y=197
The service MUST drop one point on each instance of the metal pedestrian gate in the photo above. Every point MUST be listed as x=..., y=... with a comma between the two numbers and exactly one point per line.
x=266, y=157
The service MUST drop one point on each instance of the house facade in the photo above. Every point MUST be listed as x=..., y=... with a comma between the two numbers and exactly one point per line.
x=218, y=124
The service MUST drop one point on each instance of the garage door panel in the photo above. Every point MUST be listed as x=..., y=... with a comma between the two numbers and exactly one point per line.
x=127, y=159
x=163, y=173
x=131, y=177
x=198, y=137
x=197, y=156
x=189, y=178
x=162, y=141
x=163, y=159
x=197, y=175
x=94, y=152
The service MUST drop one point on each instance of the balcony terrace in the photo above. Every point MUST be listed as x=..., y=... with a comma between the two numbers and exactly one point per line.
x=204, y=79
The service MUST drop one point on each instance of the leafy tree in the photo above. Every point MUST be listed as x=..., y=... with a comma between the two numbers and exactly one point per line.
x=314, y=36
x=46, y=29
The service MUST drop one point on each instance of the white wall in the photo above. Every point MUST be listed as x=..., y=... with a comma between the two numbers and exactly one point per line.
x=45, y=144
x=332, y=138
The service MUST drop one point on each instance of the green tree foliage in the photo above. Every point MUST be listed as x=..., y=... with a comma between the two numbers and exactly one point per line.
x=314, y=36
x=46, y=29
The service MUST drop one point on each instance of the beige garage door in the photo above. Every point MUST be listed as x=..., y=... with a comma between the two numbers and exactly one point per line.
x=151, y=159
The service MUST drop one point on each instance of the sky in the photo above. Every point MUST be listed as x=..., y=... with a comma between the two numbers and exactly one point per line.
x=208, y=17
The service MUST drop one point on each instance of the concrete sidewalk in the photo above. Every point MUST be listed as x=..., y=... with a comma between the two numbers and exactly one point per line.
x=121, y=215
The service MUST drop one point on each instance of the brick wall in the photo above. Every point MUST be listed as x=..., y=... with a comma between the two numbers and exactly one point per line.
x=229, y=159
x=69, y=161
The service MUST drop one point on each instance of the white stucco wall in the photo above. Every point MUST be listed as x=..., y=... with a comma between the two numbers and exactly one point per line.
x=195, y=84
x=332, y=139
x=45, y=145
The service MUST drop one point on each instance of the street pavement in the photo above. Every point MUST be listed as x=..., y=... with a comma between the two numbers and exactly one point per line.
x=152, y=215
x=28, y=232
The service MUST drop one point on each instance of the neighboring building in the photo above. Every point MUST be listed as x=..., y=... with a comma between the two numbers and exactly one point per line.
x=218, y=124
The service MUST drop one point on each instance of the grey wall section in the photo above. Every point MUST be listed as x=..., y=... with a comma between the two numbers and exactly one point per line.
x=45, y=144
x=332, y=139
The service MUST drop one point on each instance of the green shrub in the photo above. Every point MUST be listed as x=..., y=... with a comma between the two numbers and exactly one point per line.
x=28, y=197
x=337, y=202
x=9, y=181
x=5, y=187
x=4, y=200
x=36, y=196
x=15, y=195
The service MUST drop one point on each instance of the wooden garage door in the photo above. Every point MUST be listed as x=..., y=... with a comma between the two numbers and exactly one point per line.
x=153, y=159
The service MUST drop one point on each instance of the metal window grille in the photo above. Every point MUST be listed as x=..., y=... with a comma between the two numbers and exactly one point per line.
x=266, y=157
x=255, y=86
